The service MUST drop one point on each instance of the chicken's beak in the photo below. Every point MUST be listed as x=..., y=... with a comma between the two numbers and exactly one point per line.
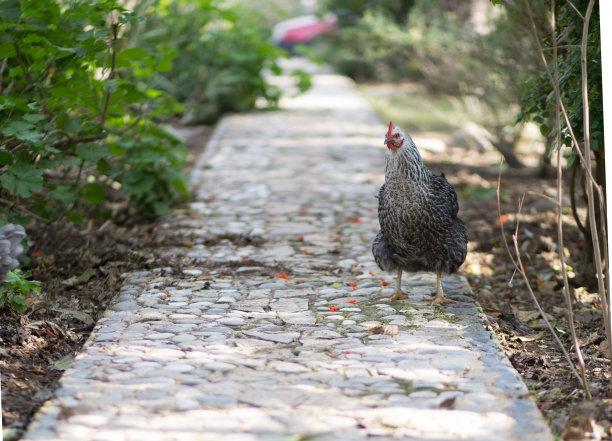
x=389, y=144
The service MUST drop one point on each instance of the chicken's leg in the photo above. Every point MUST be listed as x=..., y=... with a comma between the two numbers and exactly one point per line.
x=439, y=297
x=397, y=294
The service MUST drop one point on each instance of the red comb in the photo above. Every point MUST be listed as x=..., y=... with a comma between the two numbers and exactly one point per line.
x=390, y=128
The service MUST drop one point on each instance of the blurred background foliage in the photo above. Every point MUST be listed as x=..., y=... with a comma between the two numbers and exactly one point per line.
x=220, y=54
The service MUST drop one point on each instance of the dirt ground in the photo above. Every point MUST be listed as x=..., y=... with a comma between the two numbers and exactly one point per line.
x=80, y=269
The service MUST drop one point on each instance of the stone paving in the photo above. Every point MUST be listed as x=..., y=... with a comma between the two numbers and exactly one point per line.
x=272, y=327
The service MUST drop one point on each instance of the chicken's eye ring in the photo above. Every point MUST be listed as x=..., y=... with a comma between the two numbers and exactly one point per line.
x=396, y=135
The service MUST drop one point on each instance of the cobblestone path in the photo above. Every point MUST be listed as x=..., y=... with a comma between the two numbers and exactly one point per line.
x=274, y=329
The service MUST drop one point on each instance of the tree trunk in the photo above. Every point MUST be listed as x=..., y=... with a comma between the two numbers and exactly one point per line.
x=586, y=270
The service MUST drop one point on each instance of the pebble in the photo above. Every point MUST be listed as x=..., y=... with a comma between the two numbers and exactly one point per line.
x=258, y=351
x=231, y=321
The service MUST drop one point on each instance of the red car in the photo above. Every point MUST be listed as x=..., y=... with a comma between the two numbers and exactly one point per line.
x=302, y=30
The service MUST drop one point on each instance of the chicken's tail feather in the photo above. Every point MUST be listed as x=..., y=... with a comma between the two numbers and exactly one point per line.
x=383, y=253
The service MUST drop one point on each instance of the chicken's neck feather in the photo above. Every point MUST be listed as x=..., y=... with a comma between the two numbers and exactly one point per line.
x=406, y=163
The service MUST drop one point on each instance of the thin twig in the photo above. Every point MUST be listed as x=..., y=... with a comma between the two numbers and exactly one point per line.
x=11, y=205
x=2, y=67
x=562, y=46
x=78, y=139
x=575, y=9
x=111, y=75
x=544, y=196
x=518, y=265
x=520, y=269
x=56, y=132
x=566, y=291
x=590, y=197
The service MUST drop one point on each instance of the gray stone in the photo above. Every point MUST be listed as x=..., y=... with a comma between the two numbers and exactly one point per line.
x=231, y=321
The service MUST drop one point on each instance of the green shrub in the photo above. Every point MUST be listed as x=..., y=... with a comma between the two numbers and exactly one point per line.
x=222, y=53
x=76, y=113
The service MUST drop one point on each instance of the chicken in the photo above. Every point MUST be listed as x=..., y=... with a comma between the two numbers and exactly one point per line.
x=10, y=248
x=417, y=211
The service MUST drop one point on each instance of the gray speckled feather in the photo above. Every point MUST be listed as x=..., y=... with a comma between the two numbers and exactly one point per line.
x=417, y=211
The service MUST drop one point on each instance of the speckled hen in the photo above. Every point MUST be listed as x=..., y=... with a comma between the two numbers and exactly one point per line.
x=417, y=211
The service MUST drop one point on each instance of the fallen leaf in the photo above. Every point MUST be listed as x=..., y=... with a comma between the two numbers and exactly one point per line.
x=283, y=276
x=353, y=219
x=352, y=301
x=526, y=338
x=384, y=283
x=79, y=315
x=63, y=363
x=333, y=308
x=449, y=403
x=384, y=329
x=525, y=316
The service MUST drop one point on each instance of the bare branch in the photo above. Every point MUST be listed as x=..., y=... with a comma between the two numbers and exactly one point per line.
x=520, y=269
x=560, y=246
x=2, y=67
x=111, y=75
x=14, y=205
x=575, y=9
x=589, y=188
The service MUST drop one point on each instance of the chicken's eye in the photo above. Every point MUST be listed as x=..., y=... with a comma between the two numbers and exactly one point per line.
x=396, y=135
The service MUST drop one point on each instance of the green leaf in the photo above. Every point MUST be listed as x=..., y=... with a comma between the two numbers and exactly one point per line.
x=18, y=303
x=171, y=133
x=180, y=186
x=34, y=117
x=125, y=58
x=94, y=194
x=74, y=217
x=7, y=50
x=22, y=179
x=5, y=158
x=110, y=86
x=92, y=152
x=10, y=10
x=64, y=193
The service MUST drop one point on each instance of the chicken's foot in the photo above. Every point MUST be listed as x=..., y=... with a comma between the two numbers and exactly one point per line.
x=439, y=297
x=397, y=294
